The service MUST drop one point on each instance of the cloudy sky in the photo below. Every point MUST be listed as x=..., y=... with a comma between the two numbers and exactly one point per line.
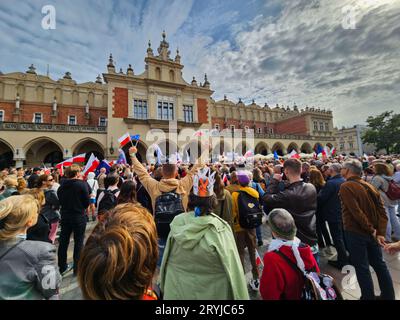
x=336, y=54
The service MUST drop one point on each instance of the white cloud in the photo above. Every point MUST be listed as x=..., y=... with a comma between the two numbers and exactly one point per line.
x=300, y=55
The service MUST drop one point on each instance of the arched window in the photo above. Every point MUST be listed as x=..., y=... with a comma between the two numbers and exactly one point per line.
x=39, y=94
x=172, y=76
x=158, y=73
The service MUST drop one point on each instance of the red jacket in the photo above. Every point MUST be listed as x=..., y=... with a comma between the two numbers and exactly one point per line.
x=279, y=281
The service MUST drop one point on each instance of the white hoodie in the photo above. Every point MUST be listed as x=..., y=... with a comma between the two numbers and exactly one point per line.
x=93, y=184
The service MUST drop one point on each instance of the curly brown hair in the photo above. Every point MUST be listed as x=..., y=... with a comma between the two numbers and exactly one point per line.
x=120, y=257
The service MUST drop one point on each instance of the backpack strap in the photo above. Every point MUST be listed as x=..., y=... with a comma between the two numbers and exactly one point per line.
x=294, y=266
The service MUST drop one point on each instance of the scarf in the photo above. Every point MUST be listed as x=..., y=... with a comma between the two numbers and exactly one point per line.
x=276, y=244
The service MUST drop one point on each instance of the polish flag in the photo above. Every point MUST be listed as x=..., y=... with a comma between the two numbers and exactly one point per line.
x=259, y=261
x=333, y=152
x=65, y=163
x=294, y=155
x=225, y=179
x=126, y=138
x=47, y=170
x=61, y=170
x=198, y=133
x=91, y=165
x=79, y=158
x=249, y=154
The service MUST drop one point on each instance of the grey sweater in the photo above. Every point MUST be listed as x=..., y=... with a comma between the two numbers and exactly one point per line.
x=28, y=271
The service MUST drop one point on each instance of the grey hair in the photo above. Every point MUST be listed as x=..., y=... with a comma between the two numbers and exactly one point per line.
x=336, y=167
x=281, y=219
x=354, y=166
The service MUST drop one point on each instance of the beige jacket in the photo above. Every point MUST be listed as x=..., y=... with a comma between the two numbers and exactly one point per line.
x=156, y=188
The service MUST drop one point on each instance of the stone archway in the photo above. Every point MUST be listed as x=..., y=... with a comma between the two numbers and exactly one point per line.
x=43, y=149
x=279, y=148
x=242, y=148
x=262, y=148
x=89, y=146
x=6, y=155
x=141, y=153
x=318, y=146
x=306, y=148
x=293, y=146
x=194, y=149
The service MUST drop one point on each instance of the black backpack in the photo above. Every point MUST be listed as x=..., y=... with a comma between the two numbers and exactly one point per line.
x=168, y=206
x=108, y=202
x=250, y=211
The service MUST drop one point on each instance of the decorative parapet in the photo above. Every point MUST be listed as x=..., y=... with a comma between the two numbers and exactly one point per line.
x=13, y=126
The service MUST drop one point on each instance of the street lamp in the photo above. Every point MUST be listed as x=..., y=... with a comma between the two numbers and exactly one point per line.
x=111, y=147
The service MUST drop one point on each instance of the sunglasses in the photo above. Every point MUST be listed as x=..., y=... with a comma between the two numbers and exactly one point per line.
x=50, y=180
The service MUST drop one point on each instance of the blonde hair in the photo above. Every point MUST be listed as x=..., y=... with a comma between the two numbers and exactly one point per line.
x=11, y=182
x=37, y=194
x=120, y=257
x=15, y=213
x=382, y=169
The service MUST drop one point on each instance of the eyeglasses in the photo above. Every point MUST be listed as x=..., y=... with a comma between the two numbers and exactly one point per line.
x=50, y=180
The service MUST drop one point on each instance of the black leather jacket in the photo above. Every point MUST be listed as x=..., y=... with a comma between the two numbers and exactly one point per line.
x=300, y=199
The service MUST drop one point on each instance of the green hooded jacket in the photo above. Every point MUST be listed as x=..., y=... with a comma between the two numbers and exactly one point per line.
x=201, y=261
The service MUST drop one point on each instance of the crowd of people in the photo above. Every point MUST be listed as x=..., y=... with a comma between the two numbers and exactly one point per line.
x=181, y=231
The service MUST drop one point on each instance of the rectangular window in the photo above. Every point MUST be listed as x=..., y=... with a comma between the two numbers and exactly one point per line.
x=217, y=126
x=188, y=113
x=102, y=122
x=259, y=130
x=315, y=125
x=271, y=131
x=72, y=120
x=140, y=109
x=165, y=110
x=321, y=126
x=159, y=113
x=351, y=145
x=326, y=126
x=2, y=116
x=341, y=146
x=38, y=118
x=171, y=112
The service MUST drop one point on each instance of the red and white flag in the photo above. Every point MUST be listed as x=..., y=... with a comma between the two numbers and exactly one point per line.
x=91, y=165
x=125, y=139
x=79, y=158
x=46, y=170
x=249, y=154
x=259, y=261
x=198, y=133
x=294, y=155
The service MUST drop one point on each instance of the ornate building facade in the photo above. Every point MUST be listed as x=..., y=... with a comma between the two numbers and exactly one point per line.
x=43, y=121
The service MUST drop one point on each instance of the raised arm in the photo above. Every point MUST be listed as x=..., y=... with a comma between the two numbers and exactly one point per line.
x=146, y=180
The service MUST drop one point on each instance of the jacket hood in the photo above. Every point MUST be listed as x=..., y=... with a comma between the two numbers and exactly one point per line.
x=188, y=230
x=168, y=185
x=305, y=253
x=250, y=191
x=91, y=176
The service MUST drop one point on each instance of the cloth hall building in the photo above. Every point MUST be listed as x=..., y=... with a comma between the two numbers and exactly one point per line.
x=43, y=121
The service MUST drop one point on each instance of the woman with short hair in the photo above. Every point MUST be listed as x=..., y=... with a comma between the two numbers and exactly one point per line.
x=26, y=267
